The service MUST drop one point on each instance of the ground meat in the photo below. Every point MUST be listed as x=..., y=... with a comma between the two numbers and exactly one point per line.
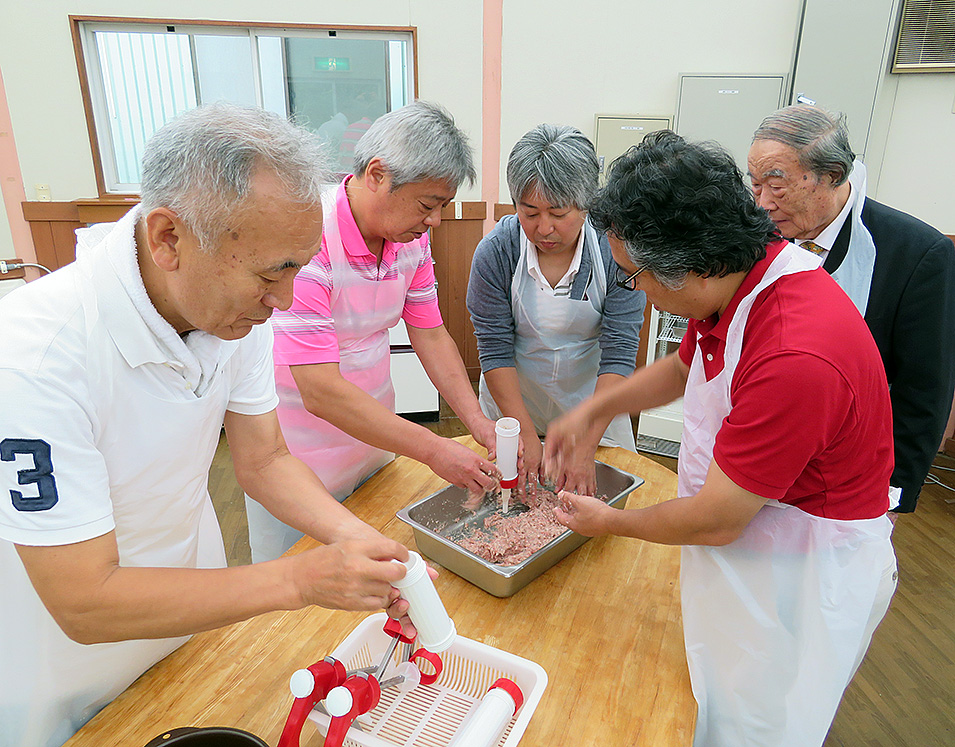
x=511, y=539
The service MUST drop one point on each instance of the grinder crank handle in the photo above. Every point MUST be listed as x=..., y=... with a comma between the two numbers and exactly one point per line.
x=357, y=695
x=309, y=686
x=392, y=628
x=433, y=659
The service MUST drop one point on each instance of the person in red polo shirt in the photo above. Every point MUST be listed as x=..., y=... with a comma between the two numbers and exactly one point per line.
x=787, y=560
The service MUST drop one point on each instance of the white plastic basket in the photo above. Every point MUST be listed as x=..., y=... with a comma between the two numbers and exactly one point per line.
x=429, y=715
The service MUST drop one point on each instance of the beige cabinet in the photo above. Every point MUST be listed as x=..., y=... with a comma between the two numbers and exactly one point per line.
x=615, y=134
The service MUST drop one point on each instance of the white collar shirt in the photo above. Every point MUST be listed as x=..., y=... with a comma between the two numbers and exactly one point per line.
x=563, y=286
x=827, y=238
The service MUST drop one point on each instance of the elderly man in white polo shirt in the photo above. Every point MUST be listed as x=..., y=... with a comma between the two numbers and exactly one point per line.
x=118, y=372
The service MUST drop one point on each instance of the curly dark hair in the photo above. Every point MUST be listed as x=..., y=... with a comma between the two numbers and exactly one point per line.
x=682, y=207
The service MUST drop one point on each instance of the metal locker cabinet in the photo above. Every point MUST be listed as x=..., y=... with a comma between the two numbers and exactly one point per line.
x=727, y=108
x=848, y=82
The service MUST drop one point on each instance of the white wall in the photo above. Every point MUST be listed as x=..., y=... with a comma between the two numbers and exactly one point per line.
x=918, y=168
x=577, y=59
x=563, y=61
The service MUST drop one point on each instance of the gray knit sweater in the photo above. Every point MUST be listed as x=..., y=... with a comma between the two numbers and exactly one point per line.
x=489, y=302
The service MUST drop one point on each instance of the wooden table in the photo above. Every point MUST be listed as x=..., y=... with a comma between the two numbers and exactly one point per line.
x=604, y=623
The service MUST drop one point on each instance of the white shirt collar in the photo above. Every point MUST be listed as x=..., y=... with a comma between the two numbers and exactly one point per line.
x=125, y=301
x=533, y=266
x=830, y=233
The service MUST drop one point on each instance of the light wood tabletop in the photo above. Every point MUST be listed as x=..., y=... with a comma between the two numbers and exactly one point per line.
x=604, y=623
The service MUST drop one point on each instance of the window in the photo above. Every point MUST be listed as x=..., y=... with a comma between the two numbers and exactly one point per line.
x=137, y=75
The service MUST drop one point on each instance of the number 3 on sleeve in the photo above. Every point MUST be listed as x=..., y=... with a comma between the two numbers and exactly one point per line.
x=41, y=475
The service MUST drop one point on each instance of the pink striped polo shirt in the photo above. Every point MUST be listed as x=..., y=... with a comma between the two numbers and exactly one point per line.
x=305, y=334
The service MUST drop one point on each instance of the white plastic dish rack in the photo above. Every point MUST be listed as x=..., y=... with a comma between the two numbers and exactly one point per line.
x=429, y=715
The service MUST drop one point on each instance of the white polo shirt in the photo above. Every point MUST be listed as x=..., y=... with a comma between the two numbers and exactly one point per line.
x=108, y=421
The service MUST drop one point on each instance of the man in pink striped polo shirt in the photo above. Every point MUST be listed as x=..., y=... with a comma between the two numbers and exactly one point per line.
x=332, y=347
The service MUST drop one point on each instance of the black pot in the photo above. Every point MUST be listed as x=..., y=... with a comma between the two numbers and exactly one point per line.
x=208, y=736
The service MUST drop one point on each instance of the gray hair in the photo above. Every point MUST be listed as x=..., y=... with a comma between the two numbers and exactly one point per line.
x=820, y=139
x=557, y=161
x=200, y=165
x=417, y=142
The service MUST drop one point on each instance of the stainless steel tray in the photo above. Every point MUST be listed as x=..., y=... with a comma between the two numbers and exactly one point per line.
x=441, y=516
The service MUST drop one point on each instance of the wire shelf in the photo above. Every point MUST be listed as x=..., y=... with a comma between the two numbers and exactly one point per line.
x=658, y=446
x=672, y=327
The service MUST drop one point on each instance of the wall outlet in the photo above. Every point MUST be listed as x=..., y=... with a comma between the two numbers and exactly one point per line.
x=42, y=192
x=9, y=274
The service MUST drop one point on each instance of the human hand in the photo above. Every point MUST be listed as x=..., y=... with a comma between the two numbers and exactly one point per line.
x=349, y=575
x=580, y=475
x=529, y=466
x=569, y=449
x=399, y=610
x=475, y=499
x=460, y=466
x=584, y=514
x=533, y=454
x=574, y=471
x=483, y=432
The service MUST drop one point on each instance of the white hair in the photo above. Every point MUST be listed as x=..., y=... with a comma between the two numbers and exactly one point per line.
x=200, y=165
x=559, y=162
x=417, y=142
x=820, y=139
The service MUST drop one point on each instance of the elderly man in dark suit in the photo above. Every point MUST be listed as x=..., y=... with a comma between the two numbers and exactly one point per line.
x=899, y=271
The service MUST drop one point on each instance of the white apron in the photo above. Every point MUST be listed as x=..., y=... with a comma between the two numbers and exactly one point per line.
x=775, y=623
x=557, y=347
x=854, y=275
x=363, y=310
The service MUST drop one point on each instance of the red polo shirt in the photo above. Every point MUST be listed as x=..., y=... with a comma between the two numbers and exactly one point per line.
x=810, y=423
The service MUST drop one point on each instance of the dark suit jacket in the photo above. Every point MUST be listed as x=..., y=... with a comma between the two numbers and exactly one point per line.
x=911, y=314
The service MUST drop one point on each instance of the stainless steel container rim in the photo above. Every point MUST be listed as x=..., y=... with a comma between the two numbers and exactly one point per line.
x=505, y=571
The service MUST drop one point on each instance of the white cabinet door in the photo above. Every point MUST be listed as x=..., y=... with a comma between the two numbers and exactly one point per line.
x=666, y=422
x=841, y=58
x=414, y=392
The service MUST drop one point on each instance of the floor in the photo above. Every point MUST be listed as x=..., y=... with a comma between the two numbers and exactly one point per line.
x=904, y=690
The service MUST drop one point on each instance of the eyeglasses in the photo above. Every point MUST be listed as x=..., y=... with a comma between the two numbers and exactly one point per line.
x=628, y=282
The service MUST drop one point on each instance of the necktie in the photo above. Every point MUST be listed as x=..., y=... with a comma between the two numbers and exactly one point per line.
x=813, y=247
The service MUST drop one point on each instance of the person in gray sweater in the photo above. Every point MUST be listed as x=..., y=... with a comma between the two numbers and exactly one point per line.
x=554, y=316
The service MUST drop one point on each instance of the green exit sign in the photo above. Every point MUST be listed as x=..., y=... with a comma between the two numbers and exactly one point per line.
x=333, y=64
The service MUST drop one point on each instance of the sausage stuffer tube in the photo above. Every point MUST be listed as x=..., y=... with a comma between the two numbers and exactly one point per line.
x=436, y=630
x=484, y=726
x=508, y=434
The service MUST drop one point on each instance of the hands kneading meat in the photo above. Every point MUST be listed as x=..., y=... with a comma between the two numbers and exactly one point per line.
x=508, y=539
